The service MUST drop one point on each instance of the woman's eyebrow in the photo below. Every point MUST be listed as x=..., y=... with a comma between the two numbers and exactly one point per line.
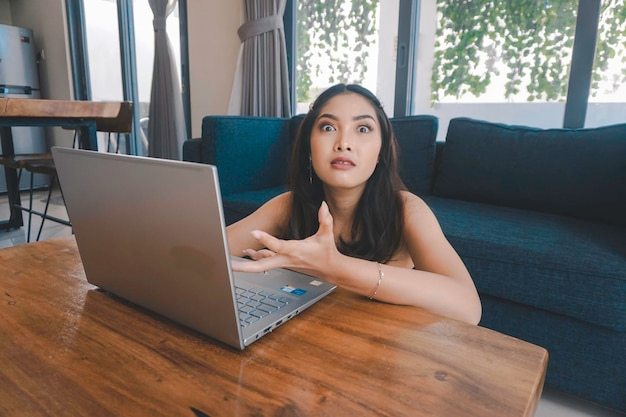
x=364, y=116
x=328, y=115
x=358, y=117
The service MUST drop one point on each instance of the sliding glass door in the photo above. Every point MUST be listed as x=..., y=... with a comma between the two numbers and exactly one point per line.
x=118, y=56
x=499, y=61
x=514, y=62
x=348, y=41
x=104, y=58
x=607, y=99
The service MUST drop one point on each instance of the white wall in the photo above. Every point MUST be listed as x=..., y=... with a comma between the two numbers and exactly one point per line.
x=213, y=52
x=5, y=12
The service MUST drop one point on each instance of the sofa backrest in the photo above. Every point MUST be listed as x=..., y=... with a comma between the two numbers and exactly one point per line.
x=573, y=172
x=416, y=137
x=250, y=152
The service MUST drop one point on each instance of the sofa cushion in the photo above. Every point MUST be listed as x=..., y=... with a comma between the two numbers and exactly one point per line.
x=561, y=264
x=238, y=206
x=258, y=147
x=294, y=125
x=580, y=173
x=585, y=360
x=192, y=150
x=416, y=137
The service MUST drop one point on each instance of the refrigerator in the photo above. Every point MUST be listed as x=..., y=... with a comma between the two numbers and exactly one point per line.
x=19, y=78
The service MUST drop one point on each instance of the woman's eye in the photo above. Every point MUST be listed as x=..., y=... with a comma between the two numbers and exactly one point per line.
x=328, y=128
x=364, y=129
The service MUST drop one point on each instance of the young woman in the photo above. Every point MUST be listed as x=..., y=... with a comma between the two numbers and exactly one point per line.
x=348, y=218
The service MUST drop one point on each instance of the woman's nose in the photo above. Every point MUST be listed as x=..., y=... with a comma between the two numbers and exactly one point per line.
x=343, y=142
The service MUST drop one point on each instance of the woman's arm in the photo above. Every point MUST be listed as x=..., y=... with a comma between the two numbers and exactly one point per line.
x=271, y=217
x=440, y=282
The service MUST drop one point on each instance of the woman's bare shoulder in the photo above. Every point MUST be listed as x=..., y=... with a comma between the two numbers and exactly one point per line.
x=281, y=202
x=418, y=216
x=412, y=202
x=272, y=215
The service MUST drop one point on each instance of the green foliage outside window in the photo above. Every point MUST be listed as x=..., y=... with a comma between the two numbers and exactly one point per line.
x=333, y=36
x=531, y=40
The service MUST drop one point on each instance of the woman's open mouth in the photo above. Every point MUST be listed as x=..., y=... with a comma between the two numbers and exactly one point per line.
x=342, y=163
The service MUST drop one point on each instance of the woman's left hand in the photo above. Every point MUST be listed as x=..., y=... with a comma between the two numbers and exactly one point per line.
x=310, y=255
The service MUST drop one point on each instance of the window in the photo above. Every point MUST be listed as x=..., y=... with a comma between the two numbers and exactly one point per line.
x=115, y=39
x=499, y=61
x=348, y=41
x=103, y=52
x=144, y=47
x=509, y=62
x=608, y=87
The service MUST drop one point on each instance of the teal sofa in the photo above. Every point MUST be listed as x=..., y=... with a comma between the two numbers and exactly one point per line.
x=537, y=215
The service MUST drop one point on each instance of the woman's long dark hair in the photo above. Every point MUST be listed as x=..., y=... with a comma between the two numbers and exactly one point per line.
x=377, y=227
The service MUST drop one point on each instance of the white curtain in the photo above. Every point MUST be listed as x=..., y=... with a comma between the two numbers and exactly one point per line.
x=261, y=86
x=166, y=127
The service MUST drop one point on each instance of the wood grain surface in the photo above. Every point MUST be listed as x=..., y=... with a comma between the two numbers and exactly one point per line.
x=109, y=116
x=69, y=349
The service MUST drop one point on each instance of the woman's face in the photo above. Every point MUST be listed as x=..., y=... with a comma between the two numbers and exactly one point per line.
x=346, y=141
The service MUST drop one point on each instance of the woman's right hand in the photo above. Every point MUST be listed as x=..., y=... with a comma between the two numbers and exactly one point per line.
x=311, y=255
x=256, y=255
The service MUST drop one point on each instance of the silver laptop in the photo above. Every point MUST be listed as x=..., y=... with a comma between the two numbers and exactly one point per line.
x=151, y=231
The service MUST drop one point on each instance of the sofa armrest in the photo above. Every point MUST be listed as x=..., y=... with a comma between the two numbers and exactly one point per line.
x=192, y=150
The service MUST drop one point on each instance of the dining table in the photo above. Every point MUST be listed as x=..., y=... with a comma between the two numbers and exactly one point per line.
x=68, y=348
x=87, y=117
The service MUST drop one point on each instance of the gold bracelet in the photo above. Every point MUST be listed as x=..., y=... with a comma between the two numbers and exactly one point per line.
x=381, y=275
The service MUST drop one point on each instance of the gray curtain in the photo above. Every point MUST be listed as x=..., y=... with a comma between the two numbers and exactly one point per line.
x=264, y=89
x=166, y=127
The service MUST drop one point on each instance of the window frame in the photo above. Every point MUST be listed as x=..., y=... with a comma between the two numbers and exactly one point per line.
x=579, y=82
x=80, y=60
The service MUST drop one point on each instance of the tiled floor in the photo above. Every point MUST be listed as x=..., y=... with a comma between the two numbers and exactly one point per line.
x=50, y=230
x=552, y=404
x=556, y=404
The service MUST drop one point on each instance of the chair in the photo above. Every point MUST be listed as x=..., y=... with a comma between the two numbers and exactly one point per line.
x=44, y=163
x=46, y=167
x=17, y=162
x=34, y=164
x=40, y=163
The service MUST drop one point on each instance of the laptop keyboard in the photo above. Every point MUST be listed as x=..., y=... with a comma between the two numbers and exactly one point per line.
x=254, y=304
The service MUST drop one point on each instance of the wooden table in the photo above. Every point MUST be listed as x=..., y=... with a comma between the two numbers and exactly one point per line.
x=68, y=349
x=88, y=117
